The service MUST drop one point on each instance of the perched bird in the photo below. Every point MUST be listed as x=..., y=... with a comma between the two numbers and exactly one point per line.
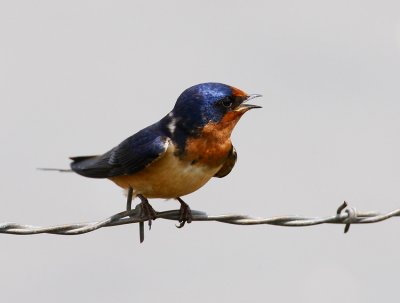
x=178, y=154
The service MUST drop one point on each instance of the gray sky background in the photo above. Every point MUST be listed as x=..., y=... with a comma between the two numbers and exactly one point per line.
x=77, y=77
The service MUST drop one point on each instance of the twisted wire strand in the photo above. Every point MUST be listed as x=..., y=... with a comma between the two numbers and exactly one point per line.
x=345, y=215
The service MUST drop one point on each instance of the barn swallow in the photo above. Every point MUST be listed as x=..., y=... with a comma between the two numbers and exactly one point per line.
x=178, y=154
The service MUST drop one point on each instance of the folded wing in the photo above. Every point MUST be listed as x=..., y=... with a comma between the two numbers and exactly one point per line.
x=228, y=165
x=129, y=157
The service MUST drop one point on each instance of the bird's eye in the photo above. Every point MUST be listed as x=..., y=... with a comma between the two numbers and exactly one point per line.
x=227, y=102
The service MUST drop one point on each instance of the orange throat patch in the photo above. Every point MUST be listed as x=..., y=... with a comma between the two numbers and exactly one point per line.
x=213, y=145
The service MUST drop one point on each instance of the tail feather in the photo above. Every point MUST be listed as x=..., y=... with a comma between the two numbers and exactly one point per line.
x=61, y=170
x=81, y=158
x=88, y=166
x=76, y=160
x=91, y=166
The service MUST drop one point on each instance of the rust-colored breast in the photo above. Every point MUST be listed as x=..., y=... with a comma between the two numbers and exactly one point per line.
x=214, y=144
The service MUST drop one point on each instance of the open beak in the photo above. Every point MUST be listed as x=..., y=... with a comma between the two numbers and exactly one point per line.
x=244, y=106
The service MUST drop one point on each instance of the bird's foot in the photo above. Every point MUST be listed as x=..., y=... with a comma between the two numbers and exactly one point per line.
x=185, y=214
x=147, y=210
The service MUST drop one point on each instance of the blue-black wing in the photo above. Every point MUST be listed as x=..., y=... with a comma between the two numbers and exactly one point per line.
x=129, y=157
x=228, y=164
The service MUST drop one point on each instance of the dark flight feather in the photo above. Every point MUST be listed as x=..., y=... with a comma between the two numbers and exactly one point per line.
x=129, y=157
x=228, y=165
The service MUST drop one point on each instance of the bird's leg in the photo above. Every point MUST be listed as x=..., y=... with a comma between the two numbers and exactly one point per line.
x=147, y=210
x=185, y=214
x=129, y=208
x=129, y=199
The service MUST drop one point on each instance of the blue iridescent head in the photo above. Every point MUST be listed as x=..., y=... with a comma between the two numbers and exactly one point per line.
x=209, y=102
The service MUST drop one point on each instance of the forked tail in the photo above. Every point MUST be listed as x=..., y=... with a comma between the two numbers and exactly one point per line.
x=64, y=170
x=61, y=170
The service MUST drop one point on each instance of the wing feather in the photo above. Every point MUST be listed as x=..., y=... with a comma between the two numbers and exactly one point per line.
x=228, y=165
x=129, y=157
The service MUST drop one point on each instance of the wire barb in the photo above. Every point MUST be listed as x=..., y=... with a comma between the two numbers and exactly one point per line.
x=351, y=215
x=344, y=215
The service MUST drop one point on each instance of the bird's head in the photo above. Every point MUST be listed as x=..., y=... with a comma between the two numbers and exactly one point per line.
x=210, y=103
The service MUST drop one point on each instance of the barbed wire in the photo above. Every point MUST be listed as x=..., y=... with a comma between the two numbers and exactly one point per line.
x=344, y=215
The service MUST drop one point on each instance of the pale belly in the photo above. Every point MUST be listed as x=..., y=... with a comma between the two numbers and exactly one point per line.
x=168, y=177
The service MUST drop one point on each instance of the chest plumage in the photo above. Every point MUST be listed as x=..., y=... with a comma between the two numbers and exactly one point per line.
x=213, y=144
x=169, y=176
